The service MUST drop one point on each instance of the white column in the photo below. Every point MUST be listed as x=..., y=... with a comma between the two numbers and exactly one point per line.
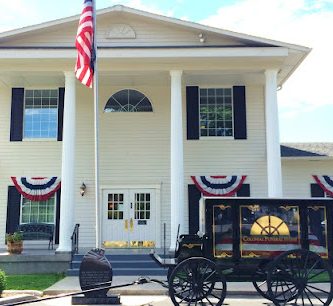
x=68, y=166
x=274, y=176
x=177, y=157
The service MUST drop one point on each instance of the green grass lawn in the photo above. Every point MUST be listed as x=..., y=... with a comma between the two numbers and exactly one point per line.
x=32, y=281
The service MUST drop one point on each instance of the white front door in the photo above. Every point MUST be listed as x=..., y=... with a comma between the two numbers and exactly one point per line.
x=129, y=218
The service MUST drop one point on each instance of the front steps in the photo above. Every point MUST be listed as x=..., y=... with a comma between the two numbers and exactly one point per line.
x=124, y=264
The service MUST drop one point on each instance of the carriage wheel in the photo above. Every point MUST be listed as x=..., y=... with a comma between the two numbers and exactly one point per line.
x=260, y=279
x=260, y=282
x=301, y=276
x=197, y=281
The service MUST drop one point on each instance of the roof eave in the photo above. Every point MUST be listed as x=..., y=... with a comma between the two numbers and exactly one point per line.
x=122, y=8
x=309, y=158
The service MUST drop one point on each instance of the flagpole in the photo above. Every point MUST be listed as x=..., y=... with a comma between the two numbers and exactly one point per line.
x=96, y=134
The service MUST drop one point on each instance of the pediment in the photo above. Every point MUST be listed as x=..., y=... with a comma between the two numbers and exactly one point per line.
x=121, y=26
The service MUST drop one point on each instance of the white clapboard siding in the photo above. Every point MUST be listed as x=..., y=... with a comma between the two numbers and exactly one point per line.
x=297, y=175
x=147, y=32
x=134, y=150
x=26, y=158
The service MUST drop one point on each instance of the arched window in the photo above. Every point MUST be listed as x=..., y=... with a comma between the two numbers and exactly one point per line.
x=128, y=100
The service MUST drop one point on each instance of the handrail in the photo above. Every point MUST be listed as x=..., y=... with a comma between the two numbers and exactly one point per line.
x=75, y=241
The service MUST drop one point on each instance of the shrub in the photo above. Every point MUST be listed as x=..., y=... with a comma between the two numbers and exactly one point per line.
x=14, y=237
x=2, y=281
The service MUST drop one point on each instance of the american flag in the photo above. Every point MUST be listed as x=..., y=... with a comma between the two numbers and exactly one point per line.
x=84, y=68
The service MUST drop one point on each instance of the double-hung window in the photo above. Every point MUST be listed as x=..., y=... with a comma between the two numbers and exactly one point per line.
x=40, y=115
x=216, y=112
x=38, y=211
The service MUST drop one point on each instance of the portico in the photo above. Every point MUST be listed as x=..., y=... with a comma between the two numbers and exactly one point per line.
x=148, y=153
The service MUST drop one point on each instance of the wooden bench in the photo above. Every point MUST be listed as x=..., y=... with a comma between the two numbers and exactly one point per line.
x=37, y=231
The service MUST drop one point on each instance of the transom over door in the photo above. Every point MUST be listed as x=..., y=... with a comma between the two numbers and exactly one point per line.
x=129, y=218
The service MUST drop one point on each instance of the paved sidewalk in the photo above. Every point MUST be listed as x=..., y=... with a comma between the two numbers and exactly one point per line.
x=158, y=301
x=71, y=284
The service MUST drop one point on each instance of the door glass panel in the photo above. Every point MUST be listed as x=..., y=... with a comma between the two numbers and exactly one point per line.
x=142, y=206
x=268, y=231
x=318, y=230
x=222, y=231
x=116, y=206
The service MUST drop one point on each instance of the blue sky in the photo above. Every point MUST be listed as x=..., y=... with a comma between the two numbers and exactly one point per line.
x=306, y=99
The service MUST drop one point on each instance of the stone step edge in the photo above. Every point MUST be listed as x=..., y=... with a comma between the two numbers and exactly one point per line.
x=122, y=261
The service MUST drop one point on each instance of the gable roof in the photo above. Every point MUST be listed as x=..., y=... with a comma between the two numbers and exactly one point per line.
x=287, y=57
x=306, y=150
x=248, y=39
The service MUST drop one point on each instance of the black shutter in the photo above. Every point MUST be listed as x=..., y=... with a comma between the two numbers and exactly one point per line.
x=16, y=119
x=192, y=112
x=244, y=191
x=61, y=112
x=13, y=209
x=239, y=103
x=194, y=196
x=317, y=191
x=57, y=222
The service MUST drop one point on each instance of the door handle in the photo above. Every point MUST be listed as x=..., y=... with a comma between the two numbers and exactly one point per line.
x=126, y=225
x=131, y=205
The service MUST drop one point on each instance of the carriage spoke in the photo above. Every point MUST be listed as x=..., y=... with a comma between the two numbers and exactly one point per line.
x=209, y=301
x=308, y=297
x=302, y=299
x=309, y=270
x=211, y=274
x=318, y=273
x=316, y=296
x=305, y=264
x=317, y=289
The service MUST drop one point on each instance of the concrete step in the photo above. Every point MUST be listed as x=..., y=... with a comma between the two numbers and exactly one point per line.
x=125, y=271
x=127, y=264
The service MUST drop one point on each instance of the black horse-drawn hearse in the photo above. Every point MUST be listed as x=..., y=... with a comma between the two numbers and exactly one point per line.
x=283, y=246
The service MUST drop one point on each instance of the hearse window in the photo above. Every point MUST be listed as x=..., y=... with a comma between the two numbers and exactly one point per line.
x=317, y=230
x=268, y=231
x=222, y=227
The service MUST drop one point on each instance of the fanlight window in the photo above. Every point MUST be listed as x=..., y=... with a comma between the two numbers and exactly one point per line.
x=128, y=100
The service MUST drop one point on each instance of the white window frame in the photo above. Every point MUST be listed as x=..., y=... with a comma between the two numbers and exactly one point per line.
x=24, y=121
x=210, y=138
x=130, y=112
x=55, y=210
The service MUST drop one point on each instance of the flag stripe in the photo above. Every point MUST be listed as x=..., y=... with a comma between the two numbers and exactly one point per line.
x=84, y=69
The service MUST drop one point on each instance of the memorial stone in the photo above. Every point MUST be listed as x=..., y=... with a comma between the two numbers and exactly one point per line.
x=95, y=272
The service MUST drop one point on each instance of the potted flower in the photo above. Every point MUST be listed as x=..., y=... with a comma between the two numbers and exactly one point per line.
x=14, y=242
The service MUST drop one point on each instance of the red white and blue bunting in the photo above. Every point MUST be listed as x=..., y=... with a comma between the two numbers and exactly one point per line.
x=37, y=188
x=325, y=182
x=219, y=185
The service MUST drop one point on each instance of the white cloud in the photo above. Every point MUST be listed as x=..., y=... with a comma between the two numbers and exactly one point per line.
x=299, y=22
x=14, y=11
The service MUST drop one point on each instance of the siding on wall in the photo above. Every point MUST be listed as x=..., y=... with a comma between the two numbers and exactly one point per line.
x=134, y=150
x=148, y=32
x=297, y=176
x=24, y=158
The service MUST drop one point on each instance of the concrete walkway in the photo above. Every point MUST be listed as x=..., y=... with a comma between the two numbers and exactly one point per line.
x=159, y=301
x=71, y=284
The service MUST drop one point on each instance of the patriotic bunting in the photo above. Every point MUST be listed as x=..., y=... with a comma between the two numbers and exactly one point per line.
x=219, y=185
x=37, y=188
x=325, y=182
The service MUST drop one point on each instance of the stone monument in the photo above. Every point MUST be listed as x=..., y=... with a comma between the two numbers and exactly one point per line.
x=95, y=272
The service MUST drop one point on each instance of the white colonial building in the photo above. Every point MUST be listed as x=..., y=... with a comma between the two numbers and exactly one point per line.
x=184, y=109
